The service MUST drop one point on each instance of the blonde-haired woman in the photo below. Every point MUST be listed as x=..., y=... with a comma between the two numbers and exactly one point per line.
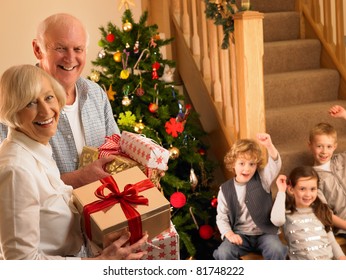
x=37, y=220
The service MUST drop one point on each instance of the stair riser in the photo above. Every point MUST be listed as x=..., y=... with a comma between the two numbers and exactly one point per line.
x=287, y=26
x=288, y=89
x=289, y=56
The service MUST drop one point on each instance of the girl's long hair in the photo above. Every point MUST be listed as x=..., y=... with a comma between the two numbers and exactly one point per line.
x=320, y=209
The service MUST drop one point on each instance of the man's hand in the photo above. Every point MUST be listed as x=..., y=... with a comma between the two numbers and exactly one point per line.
x=87, y=174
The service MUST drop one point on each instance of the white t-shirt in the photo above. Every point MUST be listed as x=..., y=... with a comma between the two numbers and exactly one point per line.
x=74, y=119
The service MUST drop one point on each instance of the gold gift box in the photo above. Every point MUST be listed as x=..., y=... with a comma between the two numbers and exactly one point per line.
x=120, y=163
x=155, y=216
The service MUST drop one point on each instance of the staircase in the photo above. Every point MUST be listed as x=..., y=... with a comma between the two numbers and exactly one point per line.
x=298, y=90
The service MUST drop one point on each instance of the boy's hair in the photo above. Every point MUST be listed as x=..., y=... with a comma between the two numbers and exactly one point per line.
x=243, y=147
x=321, y=210
x=323, y=129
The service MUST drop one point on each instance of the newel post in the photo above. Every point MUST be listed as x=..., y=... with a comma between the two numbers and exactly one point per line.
x=248, y=35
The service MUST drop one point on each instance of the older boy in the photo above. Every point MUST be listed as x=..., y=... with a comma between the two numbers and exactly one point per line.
x=330, y=168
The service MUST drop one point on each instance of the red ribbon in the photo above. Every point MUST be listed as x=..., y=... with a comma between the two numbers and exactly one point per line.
x=111, y=146
x=126, y=198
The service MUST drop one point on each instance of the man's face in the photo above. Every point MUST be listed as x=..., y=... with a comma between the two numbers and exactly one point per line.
x=65, y=54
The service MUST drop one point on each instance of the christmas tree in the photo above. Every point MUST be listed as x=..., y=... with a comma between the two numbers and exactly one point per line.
x=140, y=86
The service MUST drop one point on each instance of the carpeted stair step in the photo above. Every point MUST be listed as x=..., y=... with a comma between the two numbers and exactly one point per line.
x=293, y=55
x=289, y=125
x=300, y=87
x=270, y=6
x=287, y=26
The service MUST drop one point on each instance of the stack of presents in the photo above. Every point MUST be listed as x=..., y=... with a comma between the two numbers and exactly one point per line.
x=130, y=198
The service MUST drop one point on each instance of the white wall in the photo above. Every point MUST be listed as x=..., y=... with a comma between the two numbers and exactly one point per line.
x=19, y=18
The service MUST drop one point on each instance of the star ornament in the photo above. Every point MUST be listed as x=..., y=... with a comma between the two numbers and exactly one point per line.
x=111, y=93
x=173, y=127
x=125, y=3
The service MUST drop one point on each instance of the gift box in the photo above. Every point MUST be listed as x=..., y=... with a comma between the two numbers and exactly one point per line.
x=102, y=206
x=120, y=163
x=144, y=150
x=164, y=246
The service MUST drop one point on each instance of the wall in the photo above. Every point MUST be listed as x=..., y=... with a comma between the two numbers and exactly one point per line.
x=19, y=18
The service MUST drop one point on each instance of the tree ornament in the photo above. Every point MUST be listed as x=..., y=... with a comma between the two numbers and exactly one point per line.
x=101, y=43
x=127, y=26
x=140, y=91
x=201, y=151
x=136, y=47
x=124, y=74
x=167, y=75
x=173, y=127
x=95, y=76
x=155, y=66
x=102, y=54
x=110, y=38
x=139, y=127
x=111, y=93
x=213, y=202
x=136, y=70
x=193, y=179
x=126, y=119
x=126, y=101
x=178, y=199
x=125, y=3
x=117, y=56
x=153, y=107
x=157, y=36
x=206, y=232
x=174, y=152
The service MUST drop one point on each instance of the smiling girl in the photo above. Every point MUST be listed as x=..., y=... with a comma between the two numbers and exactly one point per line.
x=307, y=222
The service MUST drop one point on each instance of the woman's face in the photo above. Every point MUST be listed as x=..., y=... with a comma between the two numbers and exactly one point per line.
x=39, y=119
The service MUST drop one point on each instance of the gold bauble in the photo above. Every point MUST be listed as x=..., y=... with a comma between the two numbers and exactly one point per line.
x=174, y=152
x=117, y=56
x=139, y=127
x=95, y=76
x=127, y=26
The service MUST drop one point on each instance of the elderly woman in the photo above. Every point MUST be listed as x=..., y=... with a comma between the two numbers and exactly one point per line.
x=37, y=220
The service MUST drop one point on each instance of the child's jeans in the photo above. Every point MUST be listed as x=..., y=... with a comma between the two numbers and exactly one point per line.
x=269, y=245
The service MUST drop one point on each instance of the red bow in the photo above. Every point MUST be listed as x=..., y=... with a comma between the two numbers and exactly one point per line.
x=111, y=146
x=126, y=198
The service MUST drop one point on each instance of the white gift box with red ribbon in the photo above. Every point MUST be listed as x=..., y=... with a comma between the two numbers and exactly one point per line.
x=144, y=150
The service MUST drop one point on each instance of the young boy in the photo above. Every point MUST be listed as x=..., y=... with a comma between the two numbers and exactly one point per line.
x=330, y=168
x=245, y=202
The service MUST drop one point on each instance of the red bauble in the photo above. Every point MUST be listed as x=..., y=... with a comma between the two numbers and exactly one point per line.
x=213, y=202
x=206, y=232
x=178, y=199
x=201, y=152
x=153, y=107
x=110, y=37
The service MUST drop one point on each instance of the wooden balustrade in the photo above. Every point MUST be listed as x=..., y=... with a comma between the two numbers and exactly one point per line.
x=326, y=19
x=226, y=86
